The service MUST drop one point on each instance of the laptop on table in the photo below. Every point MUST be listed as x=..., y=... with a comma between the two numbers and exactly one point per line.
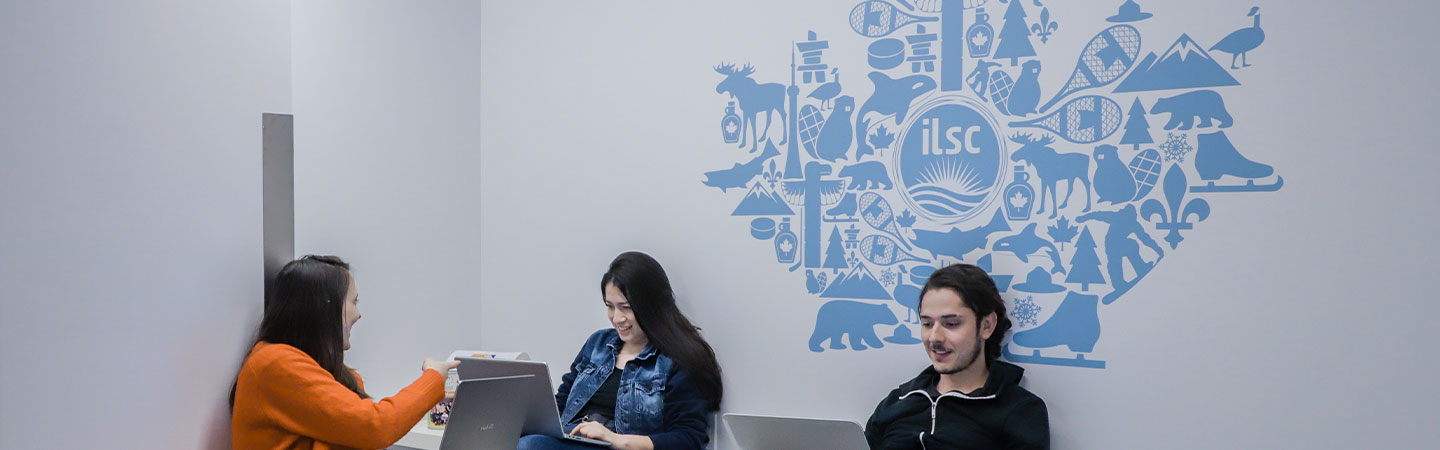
x=756, y=432
x=483, y=415
x=534, y=400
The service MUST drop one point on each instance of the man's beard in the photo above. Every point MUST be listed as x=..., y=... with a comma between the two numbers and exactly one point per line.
x=973, y=355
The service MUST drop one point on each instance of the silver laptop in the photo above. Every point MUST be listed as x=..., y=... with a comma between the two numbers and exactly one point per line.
x=481, y=417
x=754, y=432
x=542, y=415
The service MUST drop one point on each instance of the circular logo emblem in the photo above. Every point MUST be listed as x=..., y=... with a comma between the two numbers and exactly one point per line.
x=951, y=163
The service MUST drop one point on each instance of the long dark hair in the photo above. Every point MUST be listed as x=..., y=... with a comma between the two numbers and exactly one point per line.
x=644, y=284
x=305, y=309
x=977, y=291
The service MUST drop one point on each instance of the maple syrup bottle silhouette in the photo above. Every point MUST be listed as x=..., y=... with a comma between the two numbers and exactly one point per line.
x=785, y=243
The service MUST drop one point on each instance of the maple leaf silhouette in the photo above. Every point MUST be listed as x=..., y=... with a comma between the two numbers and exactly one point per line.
x=1062, y=231
x=882, y=138
x=979, y=39
x=730, y=127
x=786, y=246
x=905, y=219
x=1017, y=200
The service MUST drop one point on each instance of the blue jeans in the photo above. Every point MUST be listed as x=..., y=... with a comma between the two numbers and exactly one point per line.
x=542, y=442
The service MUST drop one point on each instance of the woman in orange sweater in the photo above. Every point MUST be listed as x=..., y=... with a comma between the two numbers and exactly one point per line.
x=294, y=390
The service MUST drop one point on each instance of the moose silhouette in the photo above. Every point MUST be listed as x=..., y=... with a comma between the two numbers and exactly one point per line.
x=753, y=98
x=1051, y=167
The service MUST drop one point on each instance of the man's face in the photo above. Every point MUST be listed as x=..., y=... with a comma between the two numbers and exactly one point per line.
x=953, y=336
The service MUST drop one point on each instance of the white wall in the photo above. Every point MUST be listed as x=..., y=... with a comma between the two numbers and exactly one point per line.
x=386, y=172
x=130, y=231
x=130, y=238
x=1287, y=320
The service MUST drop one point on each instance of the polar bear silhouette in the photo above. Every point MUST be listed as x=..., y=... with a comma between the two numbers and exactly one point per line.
x=1185, y=108
x=857, y=319
x=867, y=175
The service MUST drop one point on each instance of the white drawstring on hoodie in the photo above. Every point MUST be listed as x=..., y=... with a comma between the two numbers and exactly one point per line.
x=935, y=403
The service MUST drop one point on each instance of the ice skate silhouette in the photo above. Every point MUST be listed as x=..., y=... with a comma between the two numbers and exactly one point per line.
x=846, y=208
x=1216, y=157
x=1075, y=325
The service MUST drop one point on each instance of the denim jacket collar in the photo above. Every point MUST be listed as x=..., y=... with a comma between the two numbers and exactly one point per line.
x=615, y=343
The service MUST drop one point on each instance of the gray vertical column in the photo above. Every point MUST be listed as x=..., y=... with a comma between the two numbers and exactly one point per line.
x=278, y=203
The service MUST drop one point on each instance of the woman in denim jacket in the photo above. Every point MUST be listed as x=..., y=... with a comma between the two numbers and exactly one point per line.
x=651, y=382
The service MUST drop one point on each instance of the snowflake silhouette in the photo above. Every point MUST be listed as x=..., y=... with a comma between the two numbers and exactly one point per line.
x=1025, y=311
x=1175, y=147
x=888, y=277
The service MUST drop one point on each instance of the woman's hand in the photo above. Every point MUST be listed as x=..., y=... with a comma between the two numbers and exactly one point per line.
x=442, y=367
x=594, y=430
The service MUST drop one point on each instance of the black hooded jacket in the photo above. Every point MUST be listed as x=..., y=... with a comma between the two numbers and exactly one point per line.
x=1001, y=415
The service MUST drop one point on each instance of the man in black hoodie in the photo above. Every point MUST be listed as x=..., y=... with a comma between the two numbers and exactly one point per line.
x=965, y=399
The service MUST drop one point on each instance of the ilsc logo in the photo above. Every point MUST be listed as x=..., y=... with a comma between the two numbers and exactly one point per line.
x=951, y=161
x=949, y=146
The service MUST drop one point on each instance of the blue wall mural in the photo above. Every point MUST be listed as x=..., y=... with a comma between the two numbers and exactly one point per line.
x=1068, y=198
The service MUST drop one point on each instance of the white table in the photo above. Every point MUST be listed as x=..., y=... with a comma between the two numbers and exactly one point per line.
x=421, y=437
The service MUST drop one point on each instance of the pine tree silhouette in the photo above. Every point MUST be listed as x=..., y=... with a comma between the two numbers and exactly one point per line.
x=1085, y=265
x=1014, y=36
x=835, y=253
x=1137, y=129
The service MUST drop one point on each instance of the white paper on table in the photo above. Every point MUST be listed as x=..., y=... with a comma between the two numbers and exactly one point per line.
x=522, y=356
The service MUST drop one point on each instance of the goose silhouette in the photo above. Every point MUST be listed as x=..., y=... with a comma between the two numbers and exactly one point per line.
x=1243, y=40
x=827, y=91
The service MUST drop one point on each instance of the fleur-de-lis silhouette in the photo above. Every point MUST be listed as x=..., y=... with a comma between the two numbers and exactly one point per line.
x=1045, y=26
x=771, y=175
x=1175, y=218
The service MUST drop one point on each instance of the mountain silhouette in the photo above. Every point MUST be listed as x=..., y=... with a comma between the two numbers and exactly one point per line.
x=859, y=283
x=1184, y=65
x=761, y=201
